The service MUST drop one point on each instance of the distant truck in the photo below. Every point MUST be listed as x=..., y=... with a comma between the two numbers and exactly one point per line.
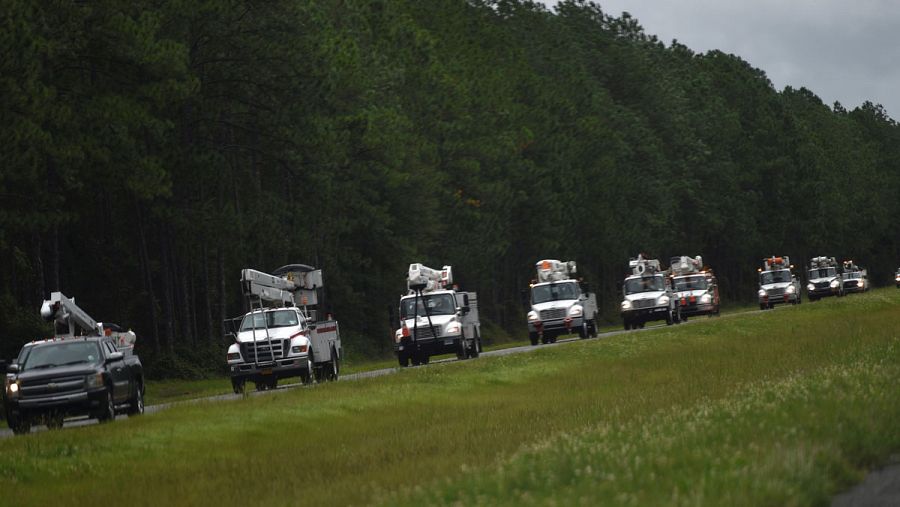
x=854, y=278
x=560, y=304
x=777, y=284
x=89, y=371
x=824, y=279
x=648, y=295
x=288, y=339
x=897, y=277
x=696, y=289
x=436, y=318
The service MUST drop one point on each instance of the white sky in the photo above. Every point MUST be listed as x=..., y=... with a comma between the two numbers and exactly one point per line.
x=842, y=50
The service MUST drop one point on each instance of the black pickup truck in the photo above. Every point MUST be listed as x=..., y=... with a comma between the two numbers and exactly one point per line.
x=55, y=379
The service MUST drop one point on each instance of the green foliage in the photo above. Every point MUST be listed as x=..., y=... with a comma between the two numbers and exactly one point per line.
x=150, y=151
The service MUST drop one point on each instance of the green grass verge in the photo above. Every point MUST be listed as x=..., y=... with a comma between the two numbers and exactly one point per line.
x=776, y=408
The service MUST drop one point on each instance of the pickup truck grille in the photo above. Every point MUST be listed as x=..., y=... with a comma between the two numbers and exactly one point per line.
x=553, y=313
x=643, y=303
x=424, y=333
x=261, y=352
x=822, y=285
x=851, y=283
x=52, y=387
x=777, y=291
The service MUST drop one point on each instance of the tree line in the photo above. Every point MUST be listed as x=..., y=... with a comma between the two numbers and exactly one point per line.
x=150, y=150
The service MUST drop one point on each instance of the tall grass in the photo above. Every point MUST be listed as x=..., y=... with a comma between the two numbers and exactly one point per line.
x=783, y=407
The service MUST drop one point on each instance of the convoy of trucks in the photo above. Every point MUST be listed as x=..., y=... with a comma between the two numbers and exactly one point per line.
x=436, y=318
x=777, y=284
x=288, y=338
x=559, y=303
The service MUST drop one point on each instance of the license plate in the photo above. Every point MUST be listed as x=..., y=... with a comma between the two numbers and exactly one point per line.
x=267, y=371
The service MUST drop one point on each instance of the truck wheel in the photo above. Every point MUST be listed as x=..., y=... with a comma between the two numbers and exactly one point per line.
x=20, y=425
x=272, y=383
x=670, y=319
x=136, y=405
x=237, y=385
x=533, y=338
x=108, y=408
x=260, y=386
x=762, y=306
x=335, y=367
x=627, y=325
x=594, y=327
x=403, y=359
x=473, y=351
x=462, y=351
x=425, y=358
x=54, y=421
x=583, y=330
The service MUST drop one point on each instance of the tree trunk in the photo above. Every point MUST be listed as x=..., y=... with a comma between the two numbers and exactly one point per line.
x=147, y=279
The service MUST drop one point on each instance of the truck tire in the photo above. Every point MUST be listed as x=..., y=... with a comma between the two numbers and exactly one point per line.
x=108, y=408
x=533, y=337
x=762, y=306
x=462, y=350
x=403, y=358
x=473, y=351
x=670, y=318
x=136, y=404
x=334, y=367
x=627, y=325
x=20, y=425
x=583, y=330
x=238, y=384
x=594, y=326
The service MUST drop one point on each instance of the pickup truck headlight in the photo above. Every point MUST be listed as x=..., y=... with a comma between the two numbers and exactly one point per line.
x=452, y=328
x=705, y=299
x=575, y=311
x=835, y=284
x=762, y=292
x=12, y=388
x=626, y=305
x=790, y=289
x=810, y=287
x=662, y=301
x=93, y=381
x=533, y=316
x=861, y=283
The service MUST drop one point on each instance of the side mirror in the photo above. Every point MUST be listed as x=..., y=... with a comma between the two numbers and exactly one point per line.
x=115, y=356
x=13, y=368
x=462, y=310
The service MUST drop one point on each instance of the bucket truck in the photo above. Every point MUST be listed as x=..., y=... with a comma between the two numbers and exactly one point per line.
x=854, y=278
x=648, y=295
x=824, y=279
x=436, y=318
x=696, y=288
x=287, y=338
x=86, y=368
x=560, y=304
x=777, y=284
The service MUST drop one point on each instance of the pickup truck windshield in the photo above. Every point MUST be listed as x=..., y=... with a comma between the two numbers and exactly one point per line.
x=691, y=283
x=822, y=273
x=61, y=354
x=853, y=275
x=553, y=292
x=280, y=318
x=767, y=277
x=439, y=304
x=646, y=284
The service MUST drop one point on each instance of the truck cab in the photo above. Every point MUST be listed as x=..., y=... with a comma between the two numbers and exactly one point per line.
x=777, y=284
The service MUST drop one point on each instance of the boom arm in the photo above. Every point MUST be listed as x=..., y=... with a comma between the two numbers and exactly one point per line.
x=64, y=311
x=426, y=279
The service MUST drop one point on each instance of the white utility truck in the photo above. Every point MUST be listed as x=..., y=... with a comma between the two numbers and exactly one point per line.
x=696, y=288
x=288, y=338
x=648, y=295
x=854, y=278
x=436, y=318
x=777, y=284
x=824, y=279
x=560, y=304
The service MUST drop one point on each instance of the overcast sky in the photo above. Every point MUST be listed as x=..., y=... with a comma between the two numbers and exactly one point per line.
x=842, y=50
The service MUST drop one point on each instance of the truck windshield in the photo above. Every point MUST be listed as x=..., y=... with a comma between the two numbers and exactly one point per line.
x=438, y=304
x=853, y=275
x=553, y=292
x=280, y=318
x=645, y=284
x=822, y=273
x=61, y=354
x=767, y=277
x=691, y=283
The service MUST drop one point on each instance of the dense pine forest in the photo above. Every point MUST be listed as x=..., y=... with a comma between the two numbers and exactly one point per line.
x=150, y=150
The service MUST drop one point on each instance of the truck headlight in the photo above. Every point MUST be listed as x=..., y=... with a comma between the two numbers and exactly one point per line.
x=12, y=388
x=299, y=349
x=575, y=311
x=810, y=287
x=835, y=284
x=452, y=328
x=662, y=301
x=626, y=305
x=533, y=316
x=762, y=293
x=705, y=299
x=790, y=289
x=861, y=282
x=93, y=381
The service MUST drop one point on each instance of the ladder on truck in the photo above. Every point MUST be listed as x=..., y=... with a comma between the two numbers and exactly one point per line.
x=284, y=288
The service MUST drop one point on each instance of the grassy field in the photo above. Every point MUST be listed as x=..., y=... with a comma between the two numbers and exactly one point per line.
x=777, y=408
